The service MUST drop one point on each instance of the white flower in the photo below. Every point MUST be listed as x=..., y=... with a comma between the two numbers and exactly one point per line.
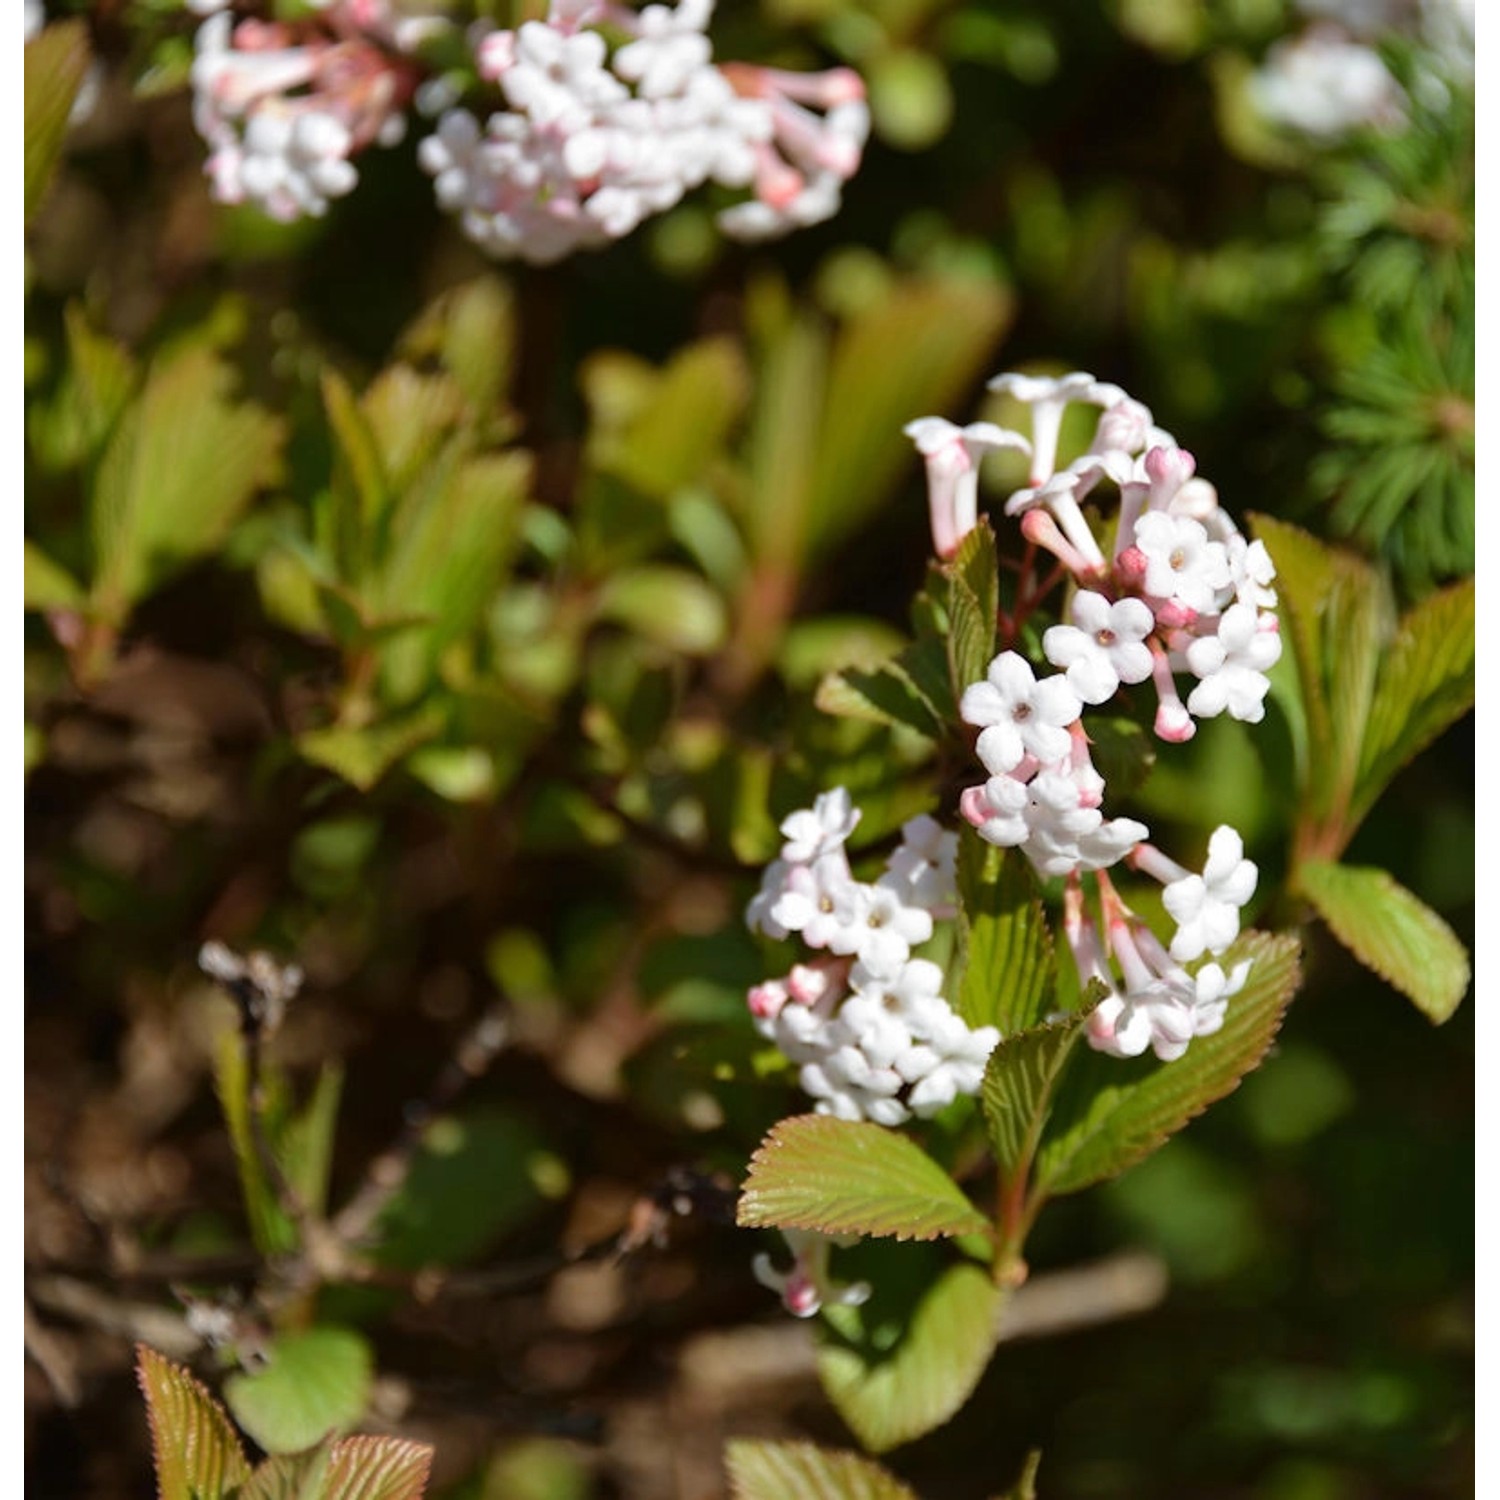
x=1251, y=572
x=924, y=865
x=1206, y=907
x=824, y=904
x=887, y=929
x=1233, y=665
x=811, y=833
x=1182, y=564
x=1324, y=85
x=1048, y=398
x=1018, y=715
x=996, y=810
x=807, y=1286
x=1212, y=991
x=952, y=455
x=1104, y=646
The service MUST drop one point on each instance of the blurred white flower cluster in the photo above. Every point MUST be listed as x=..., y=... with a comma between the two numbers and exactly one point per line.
x=583, y=141
x=1329, y=79
x=1174, y=589
x=865, y=1020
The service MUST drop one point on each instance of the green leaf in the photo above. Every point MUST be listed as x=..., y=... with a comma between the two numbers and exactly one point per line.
x=285, y=1476
x=1008, y=977
x=799, y=1471
x=974, y=600
x=1426, y=683
x=363, y=756
x=359, y=455
x=1109, y=1115
x=55, y=64
x=1025, y=1486
x=180, y=466
x=660, y=430
x=1305, y=571
x=316, y=1382
x=1122, y=751
x=458, y=526
x=670, y=606
x=1019, y=1082
x=408, y=416
x=910, y=690
x=197, y=1451
x=889, y=1390
x=1338, y=611
x=272, y=1231
x=471, y=330
x=852, y=1177
x=98, y=380
x=914, y=351
x=46, y=584
x=306, y=1143
x=1390, y=931
x=468, y=1184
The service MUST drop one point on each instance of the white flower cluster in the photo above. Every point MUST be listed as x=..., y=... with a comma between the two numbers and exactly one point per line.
x=587, y=143
x=591, y=144
x=867, y=1023
x=1329, y=79
x=1176, y=589
x=284, y=106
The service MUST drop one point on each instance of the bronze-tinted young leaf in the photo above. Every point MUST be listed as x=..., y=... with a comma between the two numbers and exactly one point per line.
x=1100, y=1127
x=799, y=1471
x=1019, y=1081
x=378, y=1468
x=315, y=1383
x=1426, y=683
x=892, y=1384
x=973, y=604
x=1007, y=978
x=851, y=1177
x=1390, y=931
x=198, y=1454
x=356, y=1468
x=55, y=64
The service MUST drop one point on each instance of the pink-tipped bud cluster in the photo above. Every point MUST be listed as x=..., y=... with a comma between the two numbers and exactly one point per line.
x=1151, y=999
x=1177, y=589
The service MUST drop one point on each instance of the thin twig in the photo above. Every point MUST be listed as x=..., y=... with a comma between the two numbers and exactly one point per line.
x=384, y=1176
